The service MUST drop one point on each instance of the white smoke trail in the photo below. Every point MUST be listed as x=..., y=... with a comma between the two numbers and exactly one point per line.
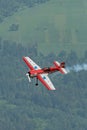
x=77, y=68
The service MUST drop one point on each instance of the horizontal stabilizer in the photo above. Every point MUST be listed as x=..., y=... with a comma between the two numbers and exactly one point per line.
x=60, y=67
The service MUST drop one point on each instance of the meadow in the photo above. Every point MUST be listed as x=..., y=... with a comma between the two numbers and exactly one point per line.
x=54, y=26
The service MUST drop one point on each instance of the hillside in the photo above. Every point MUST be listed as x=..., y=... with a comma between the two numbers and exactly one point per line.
x=24, y=106
x=45, y=30
x=54, y=24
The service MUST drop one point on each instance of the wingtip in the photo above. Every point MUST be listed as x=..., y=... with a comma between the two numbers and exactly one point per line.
x=53, y=89
x=23, y=57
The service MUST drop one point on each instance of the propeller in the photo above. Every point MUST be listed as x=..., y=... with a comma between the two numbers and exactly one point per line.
x=28, y=77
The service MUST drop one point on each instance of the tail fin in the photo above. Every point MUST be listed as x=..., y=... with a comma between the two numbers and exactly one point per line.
x=60, y=67
x=62, y=64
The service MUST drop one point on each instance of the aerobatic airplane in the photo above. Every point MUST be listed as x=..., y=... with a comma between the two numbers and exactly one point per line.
x=42, y=73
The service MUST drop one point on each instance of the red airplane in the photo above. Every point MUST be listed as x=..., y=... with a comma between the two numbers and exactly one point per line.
x=42, y=74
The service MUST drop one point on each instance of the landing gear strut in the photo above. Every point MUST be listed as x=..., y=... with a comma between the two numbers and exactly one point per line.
x=36, y=82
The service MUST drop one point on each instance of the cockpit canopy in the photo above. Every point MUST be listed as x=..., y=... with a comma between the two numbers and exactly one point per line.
x=46, y=69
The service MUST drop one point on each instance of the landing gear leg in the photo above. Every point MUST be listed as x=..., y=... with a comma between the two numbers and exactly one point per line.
x=36, y=82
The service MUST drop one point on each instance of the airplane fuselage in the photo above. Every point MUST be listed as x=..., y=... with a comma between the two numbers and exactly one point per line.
x=34, y=73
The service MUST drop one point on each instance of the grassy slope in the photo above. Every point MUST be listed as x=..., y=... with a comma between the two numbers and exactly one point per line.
x=54, y=25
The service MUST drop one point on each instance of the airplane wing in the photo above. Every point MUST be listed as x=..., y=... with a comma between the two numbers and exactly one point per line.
x=30, y=63
x=46, y=81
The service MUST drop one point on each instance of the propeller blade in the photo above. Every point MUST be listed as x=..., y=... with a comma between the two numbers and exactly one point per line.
x=28, y=77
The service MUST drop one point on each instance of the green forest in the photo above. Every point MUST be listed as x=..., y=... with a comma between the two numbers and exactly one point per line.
x=24, y=106
x=44, y=30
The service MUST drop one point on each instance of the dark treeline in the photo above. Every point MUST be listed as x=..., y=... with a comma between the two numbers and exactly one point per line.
x=24, y=106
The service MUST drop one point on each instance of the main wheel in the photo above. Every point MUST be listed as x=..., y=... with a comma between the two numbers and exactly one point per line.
x=36, y=84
